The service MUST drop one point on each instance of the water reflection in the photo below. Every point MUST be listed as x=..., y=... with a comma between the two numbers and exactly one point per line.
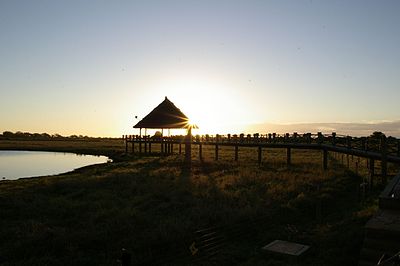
x=18, y=164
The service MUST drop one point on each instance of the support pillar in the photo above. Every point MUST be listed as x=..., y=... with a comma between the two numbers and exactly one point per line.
x=188, y=146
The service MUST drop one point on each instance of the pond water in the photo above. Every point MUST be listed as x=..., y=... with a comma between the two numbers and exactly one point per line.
x=19, y=164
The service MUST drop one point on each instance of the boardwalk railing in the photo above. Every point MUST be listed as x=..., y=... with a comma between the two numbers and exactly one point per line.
x=375, y=148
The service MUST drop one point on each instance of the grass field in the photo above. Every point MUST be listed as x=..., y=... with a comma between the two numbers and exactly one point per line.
x=152, y=206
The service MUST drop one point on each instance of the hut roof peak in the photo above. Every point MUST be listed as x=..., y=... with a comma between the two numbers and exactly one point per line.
x=165, y=115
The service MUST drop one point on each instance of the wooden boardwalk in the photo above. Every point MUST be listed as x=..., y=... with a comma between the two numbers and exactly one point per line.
x=382, y=232
x=375, y=148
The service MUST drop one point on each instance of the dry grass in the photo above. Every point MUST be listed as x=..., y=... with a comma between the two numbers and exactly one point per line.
x=151, y=206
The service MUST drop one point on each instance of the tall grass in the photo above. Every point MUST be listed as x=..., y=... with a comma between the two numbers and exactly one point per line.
x=153, y=205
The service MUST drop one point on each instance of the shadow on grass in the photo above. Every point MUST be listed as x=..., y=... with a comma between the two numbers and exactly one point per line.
x=152, y=206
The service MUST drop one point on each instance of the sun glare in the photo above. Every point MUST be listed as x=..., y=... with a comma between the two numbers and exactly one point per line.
x=210, y=104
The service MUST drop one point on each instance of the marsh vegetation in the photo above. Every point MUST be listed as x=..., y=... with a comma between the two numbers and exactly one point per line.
x=152, y=206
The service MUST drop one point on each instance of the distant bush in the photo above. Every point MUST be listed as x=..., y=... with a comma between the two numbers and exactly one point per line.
x=8, y=135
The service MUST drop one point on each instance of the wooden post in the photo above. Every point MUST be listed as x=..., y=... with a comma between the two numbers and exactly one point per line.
x=334, y=138
x=248, y=138
x=320, y=138
x=133, y=146
x=140, y=146
x=307, y=137
x=201, y=151
x=363, y=143
x=180, y=148
x=259, y=155
x=172, y=148
x=288, y=156
x=188, y=146
x=348, y=142
x=384, y=159
x=126, y=145
x=295, y=135
x=150, y=147
x=162, y=145
x=241, y=138
x=325, y=159
x=145, y=144
x=236, y=153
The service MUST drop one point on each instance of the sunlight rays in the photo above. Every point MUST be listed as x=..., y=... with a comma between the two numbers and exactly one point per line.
x=212, y=104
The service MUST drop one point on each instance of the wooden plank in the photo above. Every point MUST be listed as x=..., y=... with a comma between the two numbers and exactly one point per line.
x=286, y=248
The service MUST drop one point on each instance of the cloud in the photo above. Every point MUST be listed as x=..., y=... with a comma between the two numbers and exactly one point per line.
x=391, y=128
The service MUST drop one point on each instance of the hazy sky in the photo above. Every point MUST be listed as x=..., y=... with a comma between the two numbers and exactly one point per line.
x=88, y=67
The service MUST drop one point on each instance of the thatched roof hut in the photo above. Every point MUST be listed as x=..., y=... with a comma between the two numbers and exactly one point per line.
x=165, y=116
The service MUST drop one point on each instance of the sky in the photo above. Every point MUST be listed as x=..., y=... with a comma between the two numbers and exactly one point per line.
x=89, y=67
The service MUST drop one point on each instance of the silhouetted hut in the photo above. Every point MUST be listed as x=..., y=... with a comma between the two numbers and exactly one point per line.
x=165, y=116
